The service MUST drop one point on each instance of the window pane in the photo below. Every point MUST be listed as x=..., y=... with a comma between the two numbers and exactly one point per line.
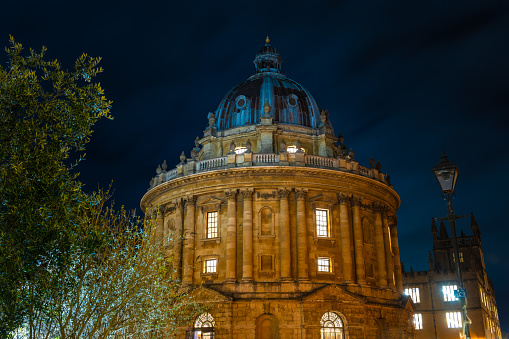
x=448, y=291
x=324, y=265
x=212, y=225
x=418, y=321
x=454, y=319
x=210, y=266
x=322, y=223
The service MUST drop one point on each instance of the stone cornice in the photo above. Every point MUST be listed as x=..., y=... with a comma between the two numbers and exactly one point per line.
x=291, y=177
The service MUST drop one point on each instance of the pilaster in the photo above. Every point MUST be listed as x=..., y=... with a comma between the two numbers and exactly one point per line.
x=189, y=232
x=389, y=258
x=231, y=236
x=360, y=268
x=302, y=248
x=284, y=215
x=346, y=246
x=393, y=222
x=380, y=248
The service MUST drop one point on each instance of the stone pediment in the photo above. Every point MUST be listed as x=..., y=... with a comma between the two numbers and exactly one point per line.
x=203, y=293
x=210, y=201
x=334, y=293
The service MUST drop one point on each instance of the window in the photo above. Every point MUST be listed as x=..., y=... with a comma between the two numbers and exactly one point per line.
x=203, y=327
x=240, y=150
x=332, y=326
x=322, y=222
x=210, y=266
x=414, y=294
x=324, y=265
x=293, y=149
x=212, y=224
x=460, y=255
x=448, y=291
x=418, y=321
x=454, y=320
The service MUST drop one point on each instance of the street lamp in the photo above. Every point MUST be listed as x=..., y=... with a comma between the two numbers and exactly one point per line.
x=447, y=173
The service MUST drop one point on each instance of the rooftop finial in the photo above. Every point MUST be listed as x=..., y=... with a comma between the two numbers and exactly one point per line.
x=267, y=40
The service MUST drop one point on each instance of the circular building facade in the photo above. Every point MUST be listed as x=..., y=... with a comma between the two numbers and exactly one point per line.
x=287, y=235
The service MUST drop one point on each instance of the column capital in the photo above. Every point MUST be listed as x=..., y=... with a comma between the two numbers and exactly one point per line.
x=178, y=203
x=379, y=208
x=393, y=220
x=343, y=198
x=247, y=193
x=301, y=193
x=356, y=200
x=231, y=194
x=189, y=200
x=283, y=193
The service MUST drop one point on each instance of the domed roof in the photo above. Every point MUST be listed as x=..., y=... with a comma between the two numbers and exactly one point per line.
x=290, y=103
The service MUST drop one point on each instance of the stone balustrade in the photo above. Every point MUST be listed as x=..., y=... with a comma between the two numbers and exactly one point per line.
x=268, y=159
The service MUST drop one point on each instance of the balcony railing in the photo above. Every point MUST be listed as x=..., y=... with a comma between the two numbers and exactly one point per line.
x=267, y=159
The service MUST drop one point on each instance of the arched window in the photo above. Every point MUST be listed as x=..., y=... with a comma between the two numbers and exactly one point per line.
x=203, y=327
x=332, y=326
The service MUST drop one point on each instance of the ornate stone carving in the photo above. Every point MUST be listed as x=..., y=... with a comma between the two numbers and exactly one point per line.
x=231, y=194
x=189, y=200
x=283, y=193
x=393, y=220
x=379, y=208
x=356, y=201
x=182, y=158
x=301, y=193
x=248, y=193
x=282, y=146
x=343, y=198
x=248, y=146
x=266, y=195
x=178, y=203
x=212, y=119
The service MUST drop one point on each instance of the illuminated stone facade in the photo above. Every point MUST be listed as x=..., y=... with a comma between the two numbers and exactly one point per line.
x=287, y=235
x=437, y=310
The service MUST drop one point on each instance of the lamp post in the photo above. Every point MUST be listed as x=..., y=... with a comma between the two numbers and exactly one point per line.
x=447, y=173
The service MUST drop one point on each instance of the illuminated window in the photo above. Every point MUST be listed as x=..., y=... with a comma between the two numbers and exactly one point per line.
x=203, y=327
x=293, y=149
x=454, y=258
x=212, y=224
x=454, y=320
x=448, y=291
x=418, y=321
x=322, y=222
x=324, y=265
x=240, y=150
x=210, y=266
x=332, y=326
x=414, y=294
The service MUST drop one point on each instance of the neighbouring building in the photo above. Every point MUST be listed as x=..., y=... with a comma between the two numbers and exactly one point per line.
x=437, y=312
x=285, y=233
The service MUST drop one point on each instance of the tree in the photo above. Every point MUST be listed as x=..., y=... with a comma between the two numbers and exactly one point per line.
x=69, y=266
x=125, y=288
x=46, y=115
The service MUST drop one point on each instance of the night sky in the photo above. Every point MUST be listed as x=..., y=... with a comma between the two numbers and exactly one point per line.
x=402, y=80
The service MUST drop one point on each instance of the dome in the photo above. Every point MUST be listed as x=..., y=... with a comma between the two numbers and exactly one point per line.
x=289, y=102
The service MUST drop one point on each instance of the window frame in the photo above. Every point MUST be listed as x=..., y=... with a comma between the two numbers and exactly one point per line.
x=418, y=321
x=329, y=266
x=454, y=319
x=318, y=224
x=207, y=225
x=448, y=293
x=205, y=266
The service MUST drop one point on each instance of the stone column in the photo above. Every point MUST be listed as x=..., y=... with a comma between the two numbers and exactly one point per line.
x=380, y=250
x=231, y=236
x=178, y=237
x=360, y=267
x=389, y=258
x=302, y=246
x=346, y=246
x=393, y=221
x=159, y=234
x=284, y=215
x=247, y=264
x=189, y=232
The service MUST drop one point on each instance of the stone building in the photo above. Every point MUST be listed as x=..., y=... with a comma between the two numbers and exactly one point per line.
x=437, y=312
x=285, y=233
